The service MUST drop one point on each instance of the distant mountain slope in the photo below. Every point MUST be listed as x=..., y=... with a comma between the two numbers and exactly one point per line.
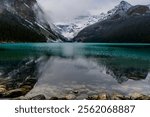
x=24, y=21
x=72, y=28
x=126, y=24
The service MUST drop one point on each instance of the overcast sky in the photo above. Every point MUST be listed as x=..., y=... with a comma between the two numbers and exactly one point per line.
x=60, y=10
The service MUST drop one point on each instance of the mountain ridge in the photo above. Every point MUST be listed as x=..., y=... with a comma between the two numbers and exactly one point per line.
x=72, y=28
x=132, y=25
x=25, y=14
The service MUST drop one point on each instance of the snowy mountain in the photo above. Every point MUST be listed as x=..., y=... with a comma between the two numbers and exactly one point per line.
x=120, y=9
x=72, y=28
x=125, y=25
x=24, y=21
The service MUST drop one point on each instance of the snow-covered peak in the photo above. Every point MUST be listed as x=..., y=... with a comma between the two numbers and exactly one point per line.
x=120, y=9
x=70, y=29
x=125, y=5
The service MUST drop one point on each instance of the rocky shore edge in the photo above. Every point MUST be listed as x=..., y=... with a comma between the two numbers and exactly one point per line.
x=7, y=91
x=100, y=96
x=20, y=94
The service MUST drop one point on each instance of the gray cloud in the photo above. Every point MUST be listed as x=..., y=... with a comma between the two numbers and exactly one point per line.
x=60, y=10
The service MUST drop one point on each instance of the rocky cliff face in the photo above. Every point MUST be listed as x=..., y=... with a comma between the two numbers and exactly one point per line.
x=131, y=25
x=138, y=10
x=24, y=21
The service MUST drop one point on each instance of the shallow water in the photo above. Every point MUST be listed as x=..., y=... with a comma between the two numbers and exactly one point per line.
x=87, y=68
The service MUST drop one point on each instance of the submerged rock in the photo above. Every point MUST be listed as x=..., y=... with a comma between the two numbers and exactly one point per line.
x=20, y=98
x=16, y=93
x=70, y=97
x=138, y=96
x=75, y=91
x=3, y=89
x=38, y=97
x=92, y=97
x=82, y=97
x=103, y=96
x=18, y=80
x=100, y=96
x=117, y=96
x=29, y=81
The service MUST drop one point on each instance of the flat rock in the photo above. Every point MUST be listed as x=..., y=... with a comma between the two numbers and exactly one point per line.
x=2, y=86
x=117, y=96
x=82, y=97
x=103, y=96
x=13, y=93
x=29, y=81
x=38, y=97
x=2, y=90
x=93, y=97
x=20, y=98
x=138, y=96
x=16, y=93
x=70, y=97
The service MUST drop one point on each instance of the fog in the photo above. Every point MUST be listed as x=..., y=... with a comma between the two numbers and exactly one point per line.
x=62, y=10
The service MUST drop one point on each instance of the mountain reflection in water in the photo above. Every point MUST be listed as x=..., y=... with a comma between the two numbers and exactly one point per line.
x=88, y=68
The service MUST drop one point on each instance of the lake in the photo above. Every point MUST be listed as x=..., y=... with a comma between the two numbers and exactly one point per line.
x=86, y=68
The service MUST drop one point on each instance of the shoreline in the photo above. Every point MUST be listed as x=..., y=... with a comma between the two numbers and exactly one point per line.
x=20, y=93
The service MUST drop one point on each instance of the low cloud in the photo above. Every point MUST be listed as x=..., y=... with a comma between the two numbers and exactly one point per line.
x=63, y=10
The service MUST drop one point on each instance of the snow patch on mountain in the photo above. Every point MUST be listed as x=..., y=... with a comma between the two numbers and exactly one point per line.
x=120, y=9
x=72, y=28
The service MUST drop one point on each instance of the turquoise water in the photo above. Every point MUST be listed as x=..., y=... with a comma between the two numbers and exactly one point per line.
x=21, y=50
x=87, y=67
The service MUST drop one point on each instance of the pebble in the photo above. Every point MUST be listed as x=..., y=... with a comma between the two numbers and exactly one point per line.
x=92, y=97
x=103, y=96
x=70, y=97
x=117, y=96
x=76, y=92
